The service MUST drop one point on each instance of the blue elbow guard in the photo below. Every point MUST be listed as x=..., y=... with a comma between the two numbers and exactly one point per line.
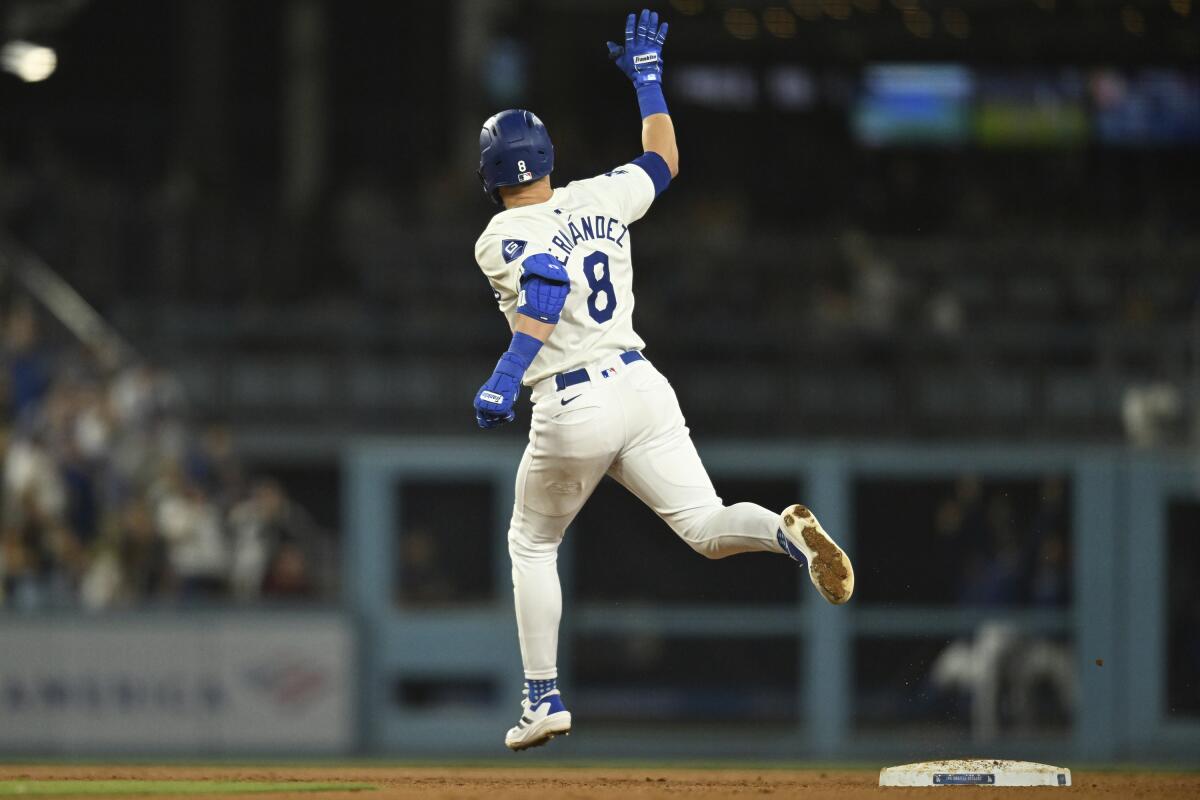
x=544, y=287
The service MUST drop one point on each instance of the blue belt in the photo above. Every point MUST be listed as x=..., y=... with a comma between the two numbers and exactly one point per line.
x=564, y=379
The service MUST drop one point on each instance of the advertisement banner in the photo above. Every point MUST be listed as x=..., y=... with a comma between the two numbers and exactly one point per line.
x=196, y=684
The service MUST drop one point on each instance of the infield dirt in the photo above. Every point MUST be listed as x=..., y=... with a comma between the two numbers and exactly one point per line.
x=605, y=782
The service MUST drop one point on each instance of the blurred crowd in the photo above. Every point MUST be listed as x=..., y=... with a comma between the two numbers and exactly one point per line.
x=1007, y=559
x=110, y=498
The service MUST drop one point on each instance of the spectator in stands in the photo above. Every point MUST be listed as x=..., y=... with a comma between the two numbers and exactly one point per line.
x=997, y=568
x=93, y=424
x=193, y=528
x=143, y=553
x=142, y=395
x=130, y=565
x=288, y=575
x=28, y=364
x=275, y=545
x=41, y=555
x=213, y=460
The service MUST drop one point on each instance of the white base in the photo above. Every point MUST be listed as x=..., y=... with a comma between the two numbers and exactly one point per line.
x=975, y=772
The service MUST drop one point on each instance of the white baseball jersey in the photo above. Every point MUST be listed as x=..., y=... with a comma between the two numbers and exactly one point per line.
x=585, y=224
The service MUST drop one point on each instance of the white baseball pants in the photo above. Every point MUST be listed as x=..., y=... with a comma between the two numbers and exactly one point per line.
x=624, y=422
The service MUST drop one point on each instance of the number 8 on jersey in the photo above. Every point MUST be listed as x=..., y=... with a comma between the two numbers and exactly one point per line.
x=602, y=302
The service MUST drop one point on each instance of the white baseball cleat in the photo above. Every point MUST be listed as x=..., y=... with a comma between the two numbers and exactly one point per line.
x=807, y=542
x=541, y=724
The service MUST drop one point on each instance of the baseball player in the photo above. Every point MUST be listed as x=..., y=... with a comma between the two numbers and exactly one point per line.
x=560, y=262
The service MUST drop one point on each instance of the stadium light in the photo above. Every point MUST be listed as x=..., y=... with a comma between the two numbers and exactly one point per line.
x=28, y=61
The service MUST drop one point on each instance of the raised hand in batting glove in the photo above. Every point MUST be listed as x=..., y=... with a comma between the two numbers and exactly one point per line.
x=640, y=58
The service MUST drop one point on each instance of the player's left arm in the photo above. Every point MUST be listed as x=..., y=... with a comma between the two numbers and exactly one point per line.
x=544, y=286
x=640, y=59
x=658, y=136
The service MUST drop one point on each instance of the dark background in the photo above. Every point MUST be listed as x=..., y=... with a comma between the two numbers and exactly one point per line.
x=278, y=200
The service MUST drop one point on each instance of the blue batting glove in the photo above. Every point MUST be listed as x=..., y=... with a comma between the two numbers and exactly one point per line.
x=641, y=56
x=495, y=399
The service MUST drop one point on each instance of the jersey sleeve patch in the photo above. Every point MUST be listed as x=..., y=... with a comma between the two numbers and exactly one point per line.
x=511, y=249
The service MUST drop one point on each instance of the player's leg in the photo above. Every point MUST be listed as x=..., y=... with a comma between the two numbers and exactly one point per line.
x=540, y=519
x=568, y=453
x=661, y=466
x=665, y=472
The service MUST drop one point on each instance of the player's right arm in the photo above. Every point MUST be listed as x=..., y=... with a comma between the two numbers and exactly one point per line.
x=542, y=287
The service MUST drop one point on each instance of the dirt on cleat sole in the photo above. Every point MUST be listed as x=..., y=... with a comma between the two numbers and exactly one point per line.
x=829, y=565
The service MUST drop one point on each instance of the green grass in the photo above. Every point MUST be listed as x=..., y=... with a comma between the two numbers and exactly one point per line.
x=134, y=787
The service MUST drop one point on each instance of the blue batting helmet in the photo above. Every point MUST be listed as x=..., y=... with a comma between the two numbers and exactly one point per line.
x=514, y=148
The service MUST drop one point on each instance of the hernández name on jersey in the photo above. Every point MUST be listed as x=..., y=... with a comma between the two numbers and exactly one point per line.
x=587, y=228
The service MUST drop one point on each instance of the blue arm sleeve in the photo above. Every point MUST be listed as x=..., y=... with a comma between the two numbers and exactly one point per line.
x=522, y=351
x=654, y=166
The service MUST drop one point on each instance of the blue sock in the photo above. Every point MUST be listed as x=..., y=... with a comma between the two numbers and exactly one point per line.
x=790, y=548
x=539, y=687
